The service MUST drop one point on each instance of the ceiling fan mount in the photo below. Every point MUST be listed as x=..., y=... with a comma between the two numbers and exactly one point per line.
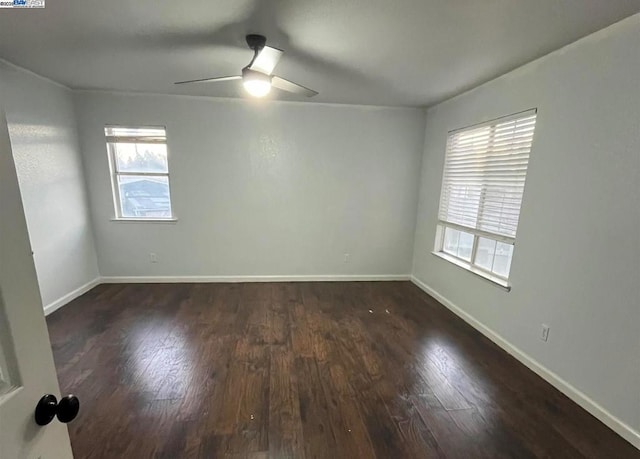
x=257, y=77
x=256, y=42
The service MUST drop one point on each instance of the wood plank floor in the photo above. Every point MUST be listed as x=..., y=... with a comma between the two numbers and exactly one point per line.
x=292, y=370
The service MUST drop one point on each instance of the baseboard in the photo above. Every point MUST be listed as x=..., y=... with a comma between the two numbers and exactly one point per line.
x=292, y=278
x=57, y=304
x=615, y=424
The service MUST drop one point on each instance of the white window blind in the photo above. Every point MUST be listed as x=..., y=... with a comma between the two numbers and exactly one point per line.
x=484, y=175
x=135, y=135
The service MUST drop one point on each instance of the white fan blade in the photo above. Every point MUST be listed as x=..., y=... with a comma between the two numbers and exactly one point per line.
x=266, y=60
x=204, y=80
x=290, y=86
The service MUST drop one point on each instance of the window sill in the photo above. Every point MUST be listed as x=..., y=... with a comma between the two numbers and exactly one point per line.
x=145, y=220
x=503, y=284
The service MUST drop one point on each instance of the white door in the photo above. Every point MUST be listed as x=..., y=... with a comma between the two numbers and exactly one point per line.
x=27, y=371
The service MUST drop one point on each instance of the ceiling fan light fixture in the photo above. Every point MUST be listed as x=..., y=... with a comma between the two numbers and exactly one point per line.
x=257, y=88
x=257, y=77
x=255, y=83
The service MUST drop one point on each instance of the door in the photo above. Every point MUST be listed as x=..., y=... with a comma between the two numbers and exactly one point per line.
x=27, y=371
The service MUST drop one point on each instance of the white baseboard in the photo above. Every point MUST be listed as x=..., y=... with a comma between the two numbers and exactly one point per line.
x=54, y=306
x=615, y=424
x=57, y=304
x=293, y=278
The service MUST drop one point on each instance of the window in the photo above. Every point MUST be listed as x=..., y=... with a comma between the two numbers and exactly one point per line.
x=139, y=172
x=482, y=187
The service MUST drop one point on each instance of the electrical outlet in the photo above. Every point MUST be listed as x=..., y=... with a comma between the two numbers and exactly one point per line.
x=153, y=258
x=544, y=332
x=346, y=257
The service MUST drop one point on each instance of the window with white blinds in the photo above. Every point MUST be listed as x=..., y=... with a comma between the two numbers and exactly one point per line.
x=482, y=188
x=139, y=172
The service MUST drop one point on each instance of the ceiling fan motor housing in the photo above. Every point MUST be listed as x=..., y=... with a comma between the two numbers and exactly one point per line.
x=256, y=42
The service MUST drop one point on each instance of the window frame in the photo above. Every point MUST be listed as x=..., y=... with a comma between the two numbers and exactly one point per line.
x=441, y=225
x=115, y=173
x=470, y=265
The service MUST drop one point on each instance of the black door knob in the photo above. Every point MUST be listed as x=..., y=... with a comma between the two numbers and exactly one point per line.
x=68, y=408
x=48, y=408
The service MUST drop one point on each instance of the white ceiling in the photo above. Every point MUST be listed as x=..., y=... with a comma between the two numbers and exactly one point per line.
x=380, y=52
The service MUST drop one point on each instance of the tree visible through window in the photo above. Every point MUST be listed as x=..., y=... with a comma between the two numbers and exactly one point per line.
x=140, y=172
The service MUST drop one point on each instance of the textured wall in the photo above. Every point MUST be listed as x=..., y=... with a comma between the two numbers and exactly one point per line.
x=263, y=189
x=42, y=127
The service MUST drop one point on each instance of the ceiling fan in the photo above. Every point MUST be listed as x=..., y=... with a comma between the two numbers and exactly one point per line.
x=257, y=77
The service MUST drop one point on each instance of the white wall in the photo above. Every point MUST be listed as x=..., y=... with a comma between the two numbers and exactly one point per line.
x=262, y=189
x=576, y=265
x=42, y=127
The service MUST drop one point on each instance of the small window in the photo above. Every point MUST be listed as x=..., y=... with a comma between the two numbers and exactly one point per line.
x=139, y=172
x=482, y=188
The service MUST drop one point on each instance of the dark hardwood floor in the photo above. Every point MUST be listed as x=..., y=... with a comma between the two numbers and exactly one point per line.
x=279, y=370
